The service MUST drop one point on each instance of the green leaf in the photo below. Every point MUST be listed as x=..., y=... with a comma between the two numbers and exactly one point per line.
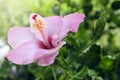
x=100, y=25
x=94, y=75
x=92, y=57
x=40, y=72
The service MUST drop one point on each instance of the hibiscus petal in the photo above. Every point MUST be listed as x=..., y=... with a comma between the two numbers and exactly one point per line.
x=24, y=54
x=19, y=35
x=60, y=26
x=46, y=57
x=71, y=23
x=55, y=39
x=47, y=60
x=53, y=25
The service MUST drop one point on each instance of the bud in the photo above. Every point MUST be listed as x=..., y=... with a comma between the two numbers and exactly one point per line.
x=100, y=25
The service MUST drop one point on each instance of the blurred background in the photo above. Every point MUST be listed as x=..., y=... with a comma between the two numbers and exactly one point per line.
x=100, y=60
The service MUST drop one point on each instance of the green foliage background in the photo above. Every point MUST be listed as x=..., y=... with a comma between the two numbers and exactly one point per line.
x=93, y=53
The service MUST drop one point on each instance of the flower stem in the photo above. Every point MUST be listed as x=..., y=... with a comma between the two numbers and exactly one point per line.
x=54, y=74
x=86, y=46
x=80, y=73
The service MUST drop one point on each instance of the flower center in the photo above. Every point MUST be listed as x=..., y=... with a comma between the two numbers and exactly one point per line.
x=38, y=23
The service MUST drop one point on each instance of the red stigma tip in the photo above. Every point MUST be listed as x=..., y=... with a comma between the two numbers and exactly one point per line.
x=34, y=16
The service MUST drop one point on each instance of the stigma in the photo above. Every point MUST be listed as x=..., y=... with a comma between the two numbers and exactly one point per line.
x=38, y=23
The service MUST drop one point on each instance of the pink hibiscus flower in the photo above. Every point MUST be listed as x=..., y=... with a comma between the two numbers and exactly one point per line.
x=42, y=40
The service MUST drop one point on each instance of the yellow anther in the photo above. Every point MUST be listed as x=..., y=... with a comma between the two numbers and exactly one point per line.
x=39, y=24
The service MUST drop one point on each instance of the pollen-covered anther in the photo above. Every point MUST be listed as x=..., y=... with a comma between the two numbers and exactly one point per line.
x=38, y=24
